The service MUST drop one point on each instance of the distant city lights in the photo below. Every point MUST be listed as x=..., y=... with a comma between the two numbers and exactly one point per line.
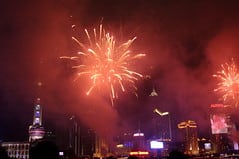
x=139, y=153
x=138, y=134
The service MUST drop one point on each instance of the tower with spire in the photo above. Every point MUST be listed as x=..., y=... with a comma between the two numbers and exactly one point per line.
x=36, y=130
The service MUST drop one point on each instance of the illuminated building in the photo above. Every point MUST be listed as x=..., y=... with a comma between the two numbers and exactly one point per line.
x=139, y=147
x=205, y=146
x=191, y=137
x=132, y=144
x=161, y=122
x=166, y=134
x=36, y=130
x=124, y=144
x=83, y=141
x=74, y=136
x=18, y=150
x=138, y=141
x=101, y=147
x=221, y=127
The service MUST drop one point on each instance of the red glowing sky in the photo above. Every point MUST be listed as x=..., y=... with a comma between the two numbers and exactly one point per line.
x=185, y=43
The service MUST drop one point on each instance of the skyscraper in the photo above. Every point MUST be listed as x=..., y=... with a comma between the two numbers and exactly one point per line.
x=222, y=126
x=191, y=137
x=36, y=130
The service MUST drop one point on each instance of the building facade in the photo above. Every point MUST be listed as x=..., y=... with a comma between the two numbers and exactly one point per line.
x=18, y=150
x=222, y=125
x=36, y=130
x=191, y=137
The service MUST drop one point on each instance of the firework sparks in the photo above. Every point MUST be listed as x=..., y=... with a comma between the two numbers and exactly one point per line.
x=106, y=64
x=228, y=84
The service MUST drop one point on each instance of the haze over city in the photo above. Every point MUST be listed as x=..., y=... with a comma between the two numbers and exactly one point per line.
x=185, y=43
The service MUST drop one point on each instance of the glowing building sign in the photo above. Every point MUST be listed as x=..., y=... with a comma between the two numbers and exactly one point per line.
x=138, y=134
x=156, y=144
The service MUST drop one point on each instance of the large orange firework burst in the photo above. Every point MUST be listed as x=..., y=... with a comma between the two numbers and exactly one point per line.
x=105, y=63
x=228, y=84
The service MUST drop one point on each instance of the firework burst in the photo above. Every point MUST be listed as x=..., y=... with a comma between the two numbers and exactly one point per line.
x=106, y=64
x=228, y=84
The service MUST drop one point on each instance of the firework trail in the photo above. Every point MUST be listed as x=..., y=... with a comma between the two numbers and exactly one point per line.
x=106, y=64
x=228, y=84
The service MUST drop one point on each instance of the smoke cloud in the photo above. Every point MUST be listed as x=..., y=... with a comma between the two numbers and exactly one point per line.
x=185, y=43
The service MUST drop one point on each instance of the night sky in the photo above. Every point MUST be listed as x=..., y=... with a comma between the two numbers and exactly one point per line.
x=185, y=42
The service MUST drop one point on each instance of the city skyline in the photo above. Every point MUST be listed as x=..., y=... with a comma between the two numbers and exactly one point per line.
x=184, y=42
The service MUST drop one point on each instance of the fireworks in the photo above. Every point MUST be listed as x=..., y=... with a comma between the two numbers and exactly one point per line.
x=229, y=83
x=106, y=64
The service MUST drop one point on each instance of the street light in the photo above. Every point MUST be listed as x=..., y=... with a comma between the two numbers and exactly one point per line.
x=169, y=120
